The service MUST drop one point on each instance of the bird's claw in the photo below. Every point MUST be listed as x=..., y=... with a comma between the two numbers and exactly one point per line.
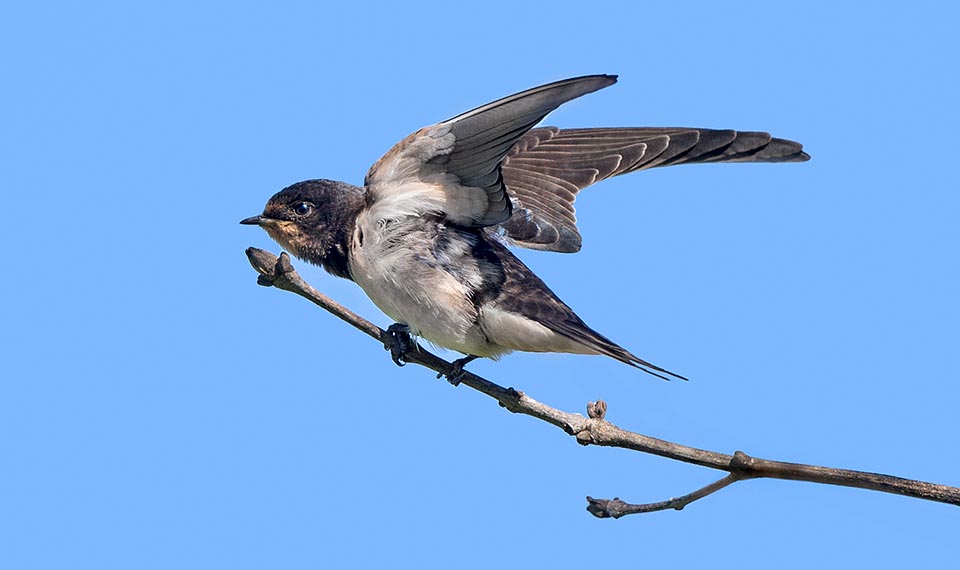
x=398, y=342
x=456, y=372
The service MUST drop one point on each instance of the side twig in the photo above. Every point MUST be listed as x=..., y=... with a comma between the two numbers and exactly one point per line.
x=595, y=430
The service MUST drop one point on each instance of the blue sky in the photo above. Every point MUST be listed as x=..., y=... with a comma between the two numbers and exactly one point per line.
x=160, y=410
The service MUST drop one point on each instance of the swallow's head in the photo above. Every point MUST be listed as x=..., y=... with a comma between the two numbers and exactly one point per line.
x=311, y=219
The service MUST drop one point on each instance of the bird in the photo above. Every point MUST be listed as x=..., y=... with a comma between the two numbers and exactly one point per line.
x=427, y=237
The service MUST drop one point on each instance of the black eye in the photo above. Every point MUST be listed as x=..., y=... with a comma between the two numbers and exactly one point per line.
x=302, y=209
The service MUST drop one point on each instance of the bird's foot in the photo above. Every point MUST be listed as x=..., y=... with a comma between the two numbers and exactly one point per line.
x=456, y=372
x=399, y=343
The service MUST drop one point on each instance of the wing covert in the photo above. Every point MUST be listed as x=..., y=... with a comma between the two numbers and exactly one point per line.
x=453, y=168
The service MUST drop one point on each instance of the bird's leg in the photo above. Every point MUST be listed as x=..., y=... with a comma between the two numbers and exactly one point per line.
x=456, y=372
x=399, y=343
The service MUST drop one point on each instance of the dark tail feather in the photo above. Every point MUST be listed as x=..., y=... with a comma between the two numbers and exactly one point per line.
x=581, y=333
x=623, y=355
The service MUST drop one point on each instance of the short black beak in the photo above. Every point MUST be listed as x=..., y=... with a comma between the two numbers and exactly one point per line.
x=254, y=221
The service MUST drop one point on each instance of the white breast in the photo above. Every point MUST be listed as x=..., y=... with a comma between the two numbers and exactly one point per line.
x=394, y=263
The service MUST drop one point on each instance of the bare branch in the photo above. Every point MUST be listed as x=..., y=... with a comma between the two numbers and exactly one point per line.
x=595, y=430
x=615, y=508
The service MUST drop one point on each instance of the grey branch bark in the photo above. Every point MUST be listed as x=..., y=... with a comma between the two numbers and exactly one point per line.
x=595, y=430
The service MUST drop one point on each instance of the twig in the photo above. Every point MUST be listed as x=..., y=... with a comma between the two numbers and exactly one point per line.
x=615, y=508
x=595, y=430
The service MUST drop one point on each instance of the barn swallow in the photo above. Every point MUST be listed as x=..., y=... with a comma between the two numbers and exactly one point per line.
x=426, y=236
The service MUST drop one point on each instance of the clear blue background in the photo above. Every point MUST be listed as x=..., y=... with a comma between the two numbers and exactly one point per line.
x=158, y=409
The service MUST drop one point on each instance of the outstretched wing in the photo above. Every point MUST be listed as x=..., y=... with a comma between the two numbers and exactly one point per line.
x=548, y=167
x=453, y=168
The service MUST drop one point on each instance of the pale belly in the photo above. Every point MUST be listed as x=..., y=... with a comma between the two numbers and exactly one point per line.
x=414, y=290
x=427, y=277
